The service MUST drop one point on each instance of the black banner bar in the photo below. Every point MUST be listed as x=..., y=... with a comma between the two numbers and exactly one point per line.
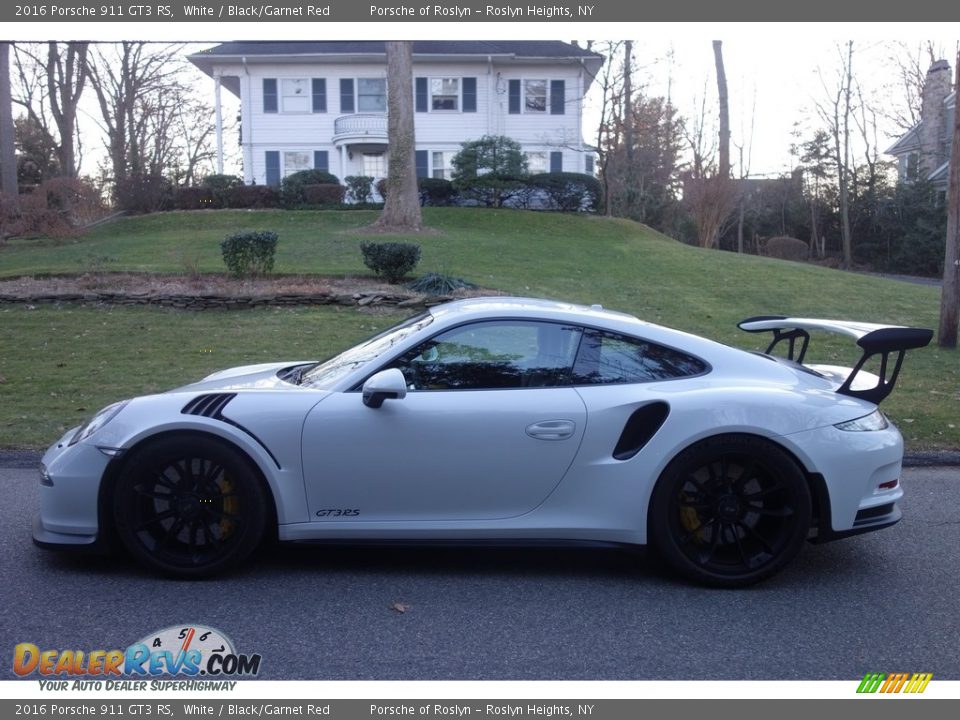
x=583, y=11
x=179, y=709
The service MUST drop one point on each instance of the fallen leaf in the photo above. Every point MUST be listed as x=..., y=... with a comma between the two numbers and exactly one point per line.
x=400, y=607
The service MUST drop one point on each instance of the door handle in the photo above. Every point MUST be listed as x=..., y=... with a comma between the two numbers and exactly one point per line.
x=552, y=429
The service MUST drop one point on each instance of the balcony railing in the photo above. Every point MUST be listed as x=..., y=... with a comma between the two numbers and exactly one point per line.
x=358, y=127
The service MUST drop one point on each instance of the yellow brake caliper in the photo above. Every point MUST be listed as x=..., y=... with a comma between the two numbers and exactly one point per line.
x=231, y=505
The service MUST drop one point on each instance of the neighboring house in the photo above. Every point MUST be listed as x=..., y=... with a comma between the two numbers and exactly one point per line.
x=924, y=151
x=323, y=104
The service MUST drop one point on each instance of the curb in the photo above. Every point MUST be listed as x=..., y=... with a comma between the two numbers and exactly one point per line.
x=934, y=458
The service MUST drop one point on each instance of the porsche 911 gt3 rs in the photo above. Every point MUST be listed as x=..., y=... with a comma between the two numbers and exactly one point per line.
x=500, y=419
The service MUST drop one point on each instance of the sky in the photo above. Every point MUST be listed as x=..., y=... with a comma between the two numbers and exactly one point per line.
x=772, y=68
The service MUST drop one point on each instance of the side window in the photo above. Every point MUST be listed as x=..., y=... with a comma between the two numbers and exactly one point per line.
x=607, y=358
x=493, y=355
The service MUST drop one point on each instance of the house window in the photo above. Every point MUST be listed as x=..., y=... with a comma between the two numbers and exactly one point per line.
x=375, y=165
x=442, y=167
x=912, y=166
x=371, y=95
x=536, y=162
x=535, y=96
x=588, y=165
x=295, y=95
x=295, y=161
x=444, y=93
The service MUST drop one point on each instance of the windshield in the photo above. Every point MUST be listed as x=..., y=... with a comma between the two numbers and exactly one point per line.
x=328, y=373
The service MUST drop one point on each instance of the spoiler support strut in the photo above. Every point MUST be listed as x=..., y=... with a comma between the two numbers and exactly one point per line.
x=882, y=340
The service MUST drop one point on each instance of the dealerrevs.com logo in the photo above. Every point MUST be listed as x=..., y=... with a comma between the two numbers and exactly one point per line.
x=894, y=682
x=179, y=650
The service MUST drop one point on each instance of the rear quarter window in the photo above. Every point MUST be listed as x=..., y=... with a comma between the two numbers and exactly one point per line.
x=607, y=358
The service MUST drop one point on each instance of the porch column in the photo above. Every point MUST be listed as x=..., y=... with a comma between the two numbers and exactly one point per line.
x=343, y=162
x=219, y=112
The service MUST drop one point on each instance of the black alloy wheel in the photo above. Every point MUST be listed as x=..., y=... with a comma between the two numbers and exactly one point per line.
x=189, y=506
x=730, y=511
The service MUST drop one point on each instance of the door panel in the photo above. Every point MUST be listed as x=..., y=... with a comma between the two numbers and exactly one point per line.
x=440, y=455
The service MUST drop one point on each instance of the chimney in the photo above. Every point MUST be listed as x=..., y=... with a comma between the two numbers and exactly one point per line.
x=933, y=131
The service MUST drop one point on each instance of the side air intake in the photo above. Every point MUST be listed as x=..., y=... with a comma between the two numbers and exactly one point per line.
x=640, y=427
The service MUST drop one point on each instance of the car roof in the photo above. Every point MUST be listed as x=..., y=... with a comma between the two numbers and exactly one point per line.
x=530, y=307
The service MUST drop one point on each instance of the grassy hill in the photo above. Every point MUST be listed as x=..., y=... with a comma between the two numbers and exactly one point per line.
x=108, y=354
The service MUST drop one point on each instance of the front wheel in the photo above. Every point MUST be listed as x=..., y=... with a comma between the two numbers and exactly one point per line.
x=189, y=507
x=730, y=511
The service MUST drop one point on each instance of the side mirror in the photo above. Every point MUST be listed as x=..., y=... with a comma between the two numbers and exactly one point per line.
x=385, y=385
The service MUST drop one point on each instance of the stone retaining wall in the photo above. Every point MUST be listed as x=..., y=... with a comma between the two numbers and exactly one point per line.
x=223, y=302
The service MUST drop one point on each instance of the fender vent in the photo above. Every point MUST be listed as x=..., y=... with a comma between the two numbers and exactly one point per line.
x=210, y=406
x=640, y=427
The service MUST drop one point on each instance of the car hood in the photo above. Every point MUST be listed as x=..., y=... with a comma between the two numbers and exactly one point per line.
x=264, y=376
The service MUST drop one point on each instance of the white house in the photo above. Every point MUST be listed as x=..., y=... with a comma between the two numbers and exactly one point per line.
x=323, y=104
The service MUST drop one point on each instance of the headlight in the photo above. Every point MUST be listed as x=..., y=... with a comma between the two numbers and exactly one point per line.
x=97, y=421
x=874, y=421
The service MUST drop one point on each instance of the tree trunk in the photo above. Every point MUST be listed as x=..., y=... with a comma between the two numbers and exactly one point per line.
x=724, y=150
x=950, y=295
x=844, y=169
x=65, y=81
x=630, y=192
x=8, y=154
x=401, y=207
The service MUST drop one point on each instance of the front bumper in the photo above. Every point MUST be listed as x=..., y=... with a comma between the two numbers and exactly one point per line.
x=69, y=491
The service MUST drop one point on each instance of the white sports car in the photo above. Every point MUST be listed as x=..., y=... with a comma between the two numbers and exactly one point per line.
x=499, y=419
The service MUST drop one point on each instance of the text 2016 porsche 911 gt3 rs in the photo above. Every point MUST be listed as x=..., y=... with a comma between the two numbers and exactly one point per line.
x=503, y=419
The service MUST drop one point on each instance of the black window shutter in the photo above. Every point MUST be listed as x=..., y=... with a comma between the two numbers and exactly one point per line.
x=558, y=97
x=270, y=95
x=321, y=160
x=469, y=94
x=556, y=161
x=514, y=103
x=421, y=92
x=346, y=95
x=319, y=95
x=423, y=169
x=273, y=167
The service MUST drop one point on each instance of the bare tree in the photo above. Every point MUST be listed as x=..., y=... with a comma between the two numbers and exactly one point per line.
x=131, y=80
x=51, y=81
x=608, y=130
x=401, y=207
x=724, y=170
x=950, y=295
x=8, y=156
x=836, y=114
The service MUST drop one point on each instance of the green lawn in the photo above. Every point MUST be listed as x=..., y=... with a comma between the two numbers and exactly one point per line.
x=56, y=360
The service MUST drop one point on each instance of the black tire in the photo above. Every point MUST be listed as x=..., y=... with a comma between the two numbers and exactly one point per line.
x=730, y=511
x=189, y=506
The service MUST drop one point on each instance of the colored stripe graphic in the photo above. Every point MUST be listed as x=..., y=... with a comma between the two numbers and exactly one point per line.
x=894, y=682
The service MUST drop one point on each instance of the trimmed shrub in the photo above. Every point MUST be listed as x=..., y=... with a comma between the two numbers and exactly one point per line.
x=381, y=186
x=568, y=191
x=390, y=260
x=291, y=188
x=193, y=198
x=323, y=194
x=140, y=193
x=787, y=248
x=251, y=196
x=220, y=186
x=435, y=192
x=359, y=187
x=249, y=252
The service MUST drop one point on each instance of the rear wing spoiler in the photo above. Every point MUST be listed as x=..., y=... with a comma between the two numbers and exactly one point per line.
x=882, y=340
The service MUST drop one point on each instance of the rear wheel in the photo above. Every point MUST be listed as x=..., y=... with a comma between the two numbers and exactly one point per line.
x=730, y=511
x=189, y=506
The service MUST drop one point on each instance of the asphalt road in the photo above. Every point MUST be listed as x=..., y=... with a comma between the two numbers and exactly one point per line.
x=883, y=602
